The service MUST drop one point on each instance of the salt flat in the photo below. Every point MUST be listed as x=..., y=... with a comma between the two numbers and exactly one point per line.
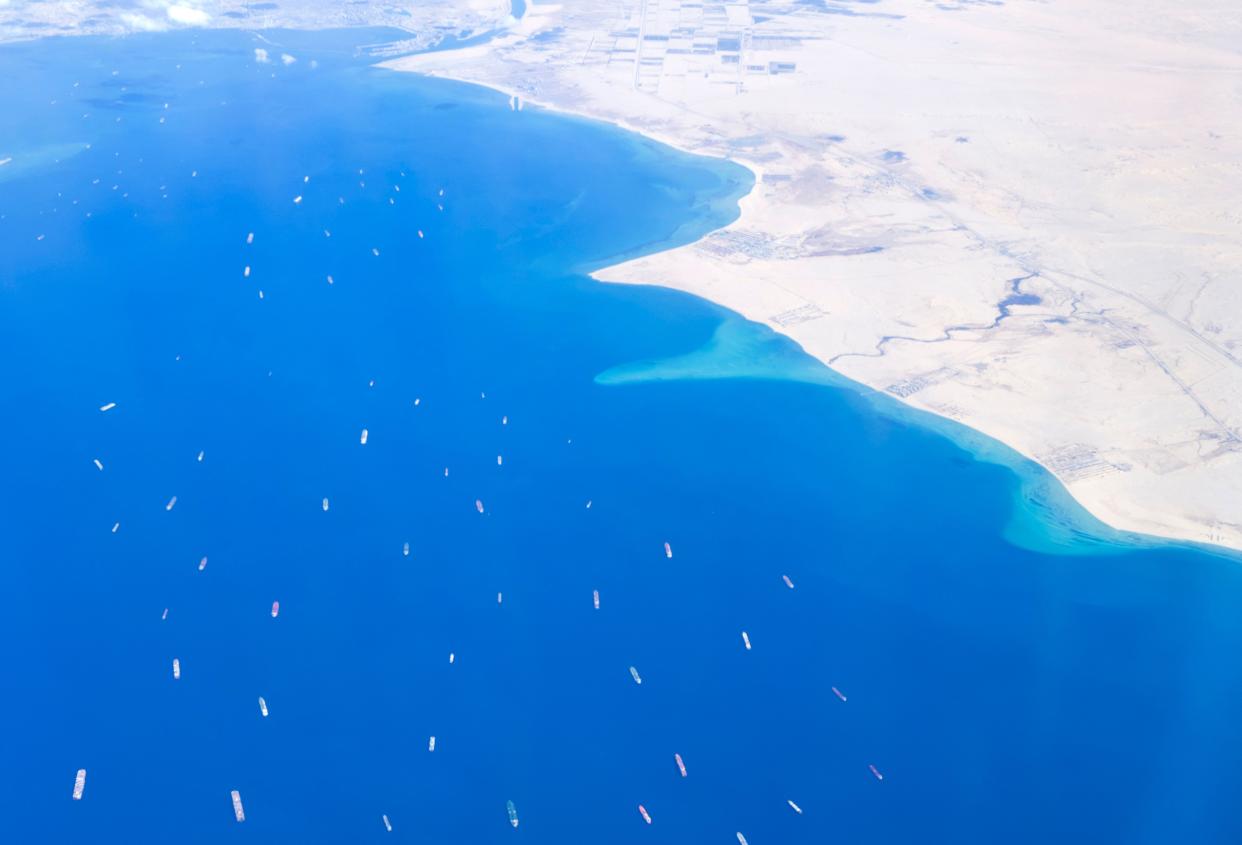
x=1021, y=216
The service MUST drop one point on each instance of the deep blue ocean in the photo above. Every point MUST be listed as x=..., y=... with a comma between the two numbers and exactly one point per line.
x=1087, y=691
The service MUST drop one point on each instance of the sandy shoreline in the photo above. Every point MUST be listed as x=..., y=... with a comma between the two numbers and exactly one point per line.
x=1003, y=289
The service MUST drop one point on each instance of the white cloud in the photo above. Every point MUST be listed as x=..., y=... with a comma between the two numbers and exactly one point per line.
x=142, y=23
x=260, y=56
x=188, y=15
x=287, y=59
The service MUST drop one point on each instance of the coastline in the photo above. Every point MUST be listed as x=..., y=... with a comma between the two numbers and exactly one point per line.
x=1116, y=507
x=945, y=637
x=1074, y=527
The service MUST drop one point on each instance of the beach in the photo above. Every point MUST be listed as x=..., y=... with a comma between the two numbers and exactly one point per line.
x=936, y=218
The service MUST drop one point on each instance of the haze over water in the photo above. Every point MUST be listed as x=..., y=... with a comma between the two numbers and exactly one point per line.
x=1006, y=695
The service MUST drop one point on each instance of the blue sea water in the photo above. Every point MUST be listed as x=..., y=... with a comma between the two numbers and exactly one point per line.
x=1017, y=673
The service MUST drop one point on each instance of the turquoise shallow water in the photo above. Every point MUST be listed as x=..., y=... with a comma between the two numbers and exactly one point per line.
x=1007, y=689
